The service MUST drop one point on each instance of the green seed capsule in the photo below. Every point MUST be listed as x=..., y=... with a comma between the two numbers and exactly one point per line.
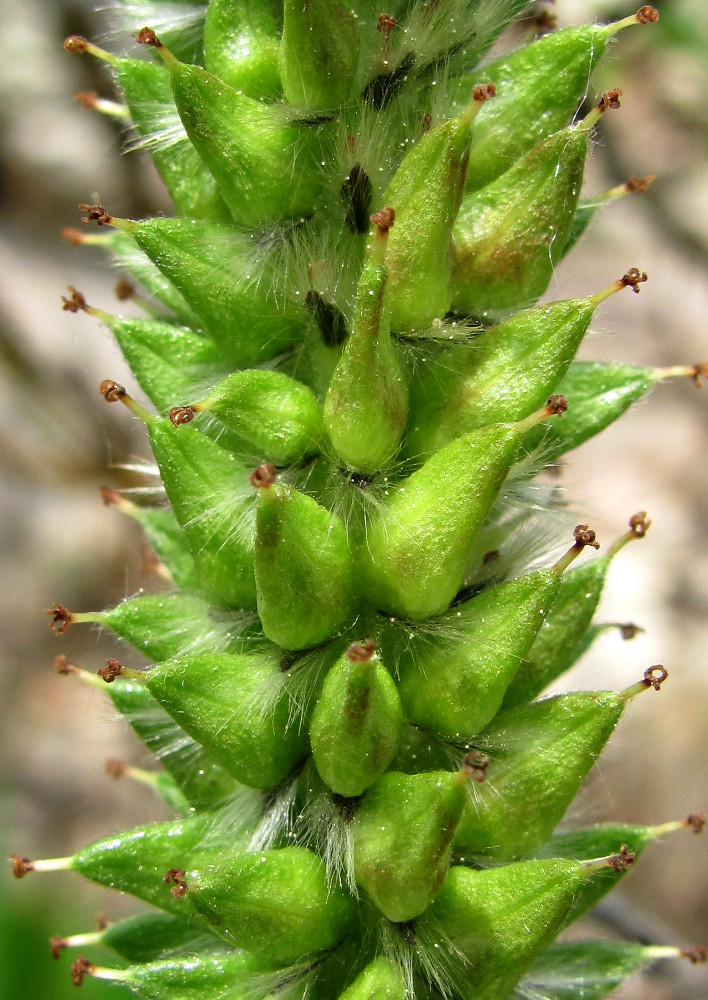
x=275, y=416
x=403, y=831
x=540, y=755
x=219, y=274
x=148, y=94
x=241, y=46
x=144, y=938
x=417, y=547
x=561, y=640
x=425, y=193
x=304, y=569
x=540, y=87
x=319, y=53
x=242, y=140
x=275, y=904
x=382, y=979
x=238, y=708
x=208, y=976
x=366, y=406
x=356, y=722
x=494, y=922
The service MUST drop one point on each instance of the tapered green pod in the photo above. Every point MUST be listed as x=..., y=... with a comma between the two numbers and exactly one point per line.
x=382, y=979
x=241, y=46
x=227, y=282
x=366, y=405
x=560, y=641
x=403, y=831
x=238, y=708
x=304, y=569
x=319, y=53
x=417, y=546
x=425, y=193
x=275, y=904
x=275, y=416
x=503, y=375
x=356, y=722
x=494, y=922
x=540, y=754
x=539, y=88
x=251, y=148
x=144, y=938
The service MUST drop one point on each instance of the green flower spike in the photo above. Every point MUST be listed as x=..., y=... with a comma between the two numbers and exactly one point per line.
x=356, y=722
x=509, y=235
x=454, y=686
x=319, y=53
x=532, y=782
x=242, y=141
x=418, y=546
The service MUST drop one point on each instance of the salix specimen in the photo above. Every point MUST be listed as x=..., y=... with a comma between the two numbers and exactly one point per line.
x=352, y=384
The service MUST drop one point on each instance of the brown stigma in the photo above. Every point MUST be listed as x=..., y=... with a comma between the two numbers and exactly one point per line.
x=647, y=15
x=62, y=618
x=111, y=391
x=584, y=535
x=264, y=476
x=483, y=92
x=697, y=822
x=639, y=524
x=95, y=213
x=76, y=43
x=475, y=765
x=146, y=36
x=176, y=877
x=384, y=218
x=633, y=279
x=181, y=415
x=111, y=670
x=556, y=405
x=610, y=100
x=622, y=861
x=20, y=866
x=56, y=945
x=655, y=676
x=80, y=969
x=361, y=652
x=75, y=302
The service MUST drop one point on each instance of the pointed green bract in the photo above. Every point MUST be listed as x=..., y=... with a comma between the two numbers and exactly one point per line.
x=356, y=722
x=275, y=904
x=238, y=708
x=153, y=935
x=319, y=53
x=196, y=977
x=593, y=967
x=241, y=46
x=382, y=979
x=304, y=569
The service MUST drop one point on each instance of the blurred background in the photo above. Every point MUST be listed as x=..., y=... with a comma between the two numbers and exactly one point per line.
x=58, y=443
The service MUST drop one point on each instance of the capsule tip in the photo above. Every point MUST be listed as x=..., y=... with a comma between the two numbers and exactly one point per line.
x=74, y=302
x=696, y=821
x=475, y=766
x=56, y=945
x=638, y=185
x=696, y=955
x=361, y=652
x=384, y=218
x=610, y=100
x=21, y=866
x=114, y=769
x=584, y=536
x=655, y=676
x=647, y=15
x=146, y=36
x=264, y=476
x=483, y=92
x=111, y=391
x=80, y=969
x=111, y=670
x=176, y=878
x=62, y=664
x=181, y=415
x=76, y=43
x=556, y=405
x=633, y=279
x=61, y=617
x=95, y=213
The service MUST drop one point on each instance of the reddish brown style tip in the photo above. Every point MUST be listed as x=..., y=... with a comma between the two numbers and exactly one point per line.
x=699, y=371
x=557, y=405
x=584, y=535
x=384, y=218
x=386, y=25
x=639, y=524
x=628, y=630
x=181, y=415
x=176, y=878
x=111, y=391
x=361, y=652
x=146, y=36
x=696, y=955
x=111, y=670
x=610, y=100
x=62, y=665
x=109, y=496
x=62, y=618
x=57, y=945
x=124, y=290
x=115, y=769
x=483, y=92
x=87, y=99
x=20, y=866
x=620, y=862
x=647, y=15
x=95, y=213
x=80, y=969
x=697, y=822
x=75, y=301
x=638, y=185
x=74, y=236
x=264, y=476
x=76, y=43
x=475, y=765
x=633, y=279
x=655, y=676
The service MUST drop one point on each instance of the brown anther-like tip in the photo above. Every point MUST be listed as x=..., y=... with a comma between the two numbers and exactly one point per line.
x=628, y=630
x=386, y=24
x=696, y=821
x=114, y=769
x=647, y=15
x=56, y=945
x=557, y=405
x=361, y=652
x=176, y=877
x=76, y=43
x=639, y=524
x=111, y=670
x=95, y=213
x=149, y=560
x=61, y=618
x=181, y=415
x=75, y=301
x=384, y=218
x=483, y=92
x=491, y=557
x=146, y=36
x=74, y=236
x=264, y=476
x=610, y=100
x=584, y=535
x=62, y=664
x=633, y=279
x=655, y=676
x=475, y=765
x=699, y=371
x=111, y=391
x=20, y=866
x=87, y=99
x=124, y=290
x=696, y=955
x=623, y=860
x=426, y=122
x=638, y=185
x=544, y=22
x=101, y=921
x=109, y=496
x=80, y=969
